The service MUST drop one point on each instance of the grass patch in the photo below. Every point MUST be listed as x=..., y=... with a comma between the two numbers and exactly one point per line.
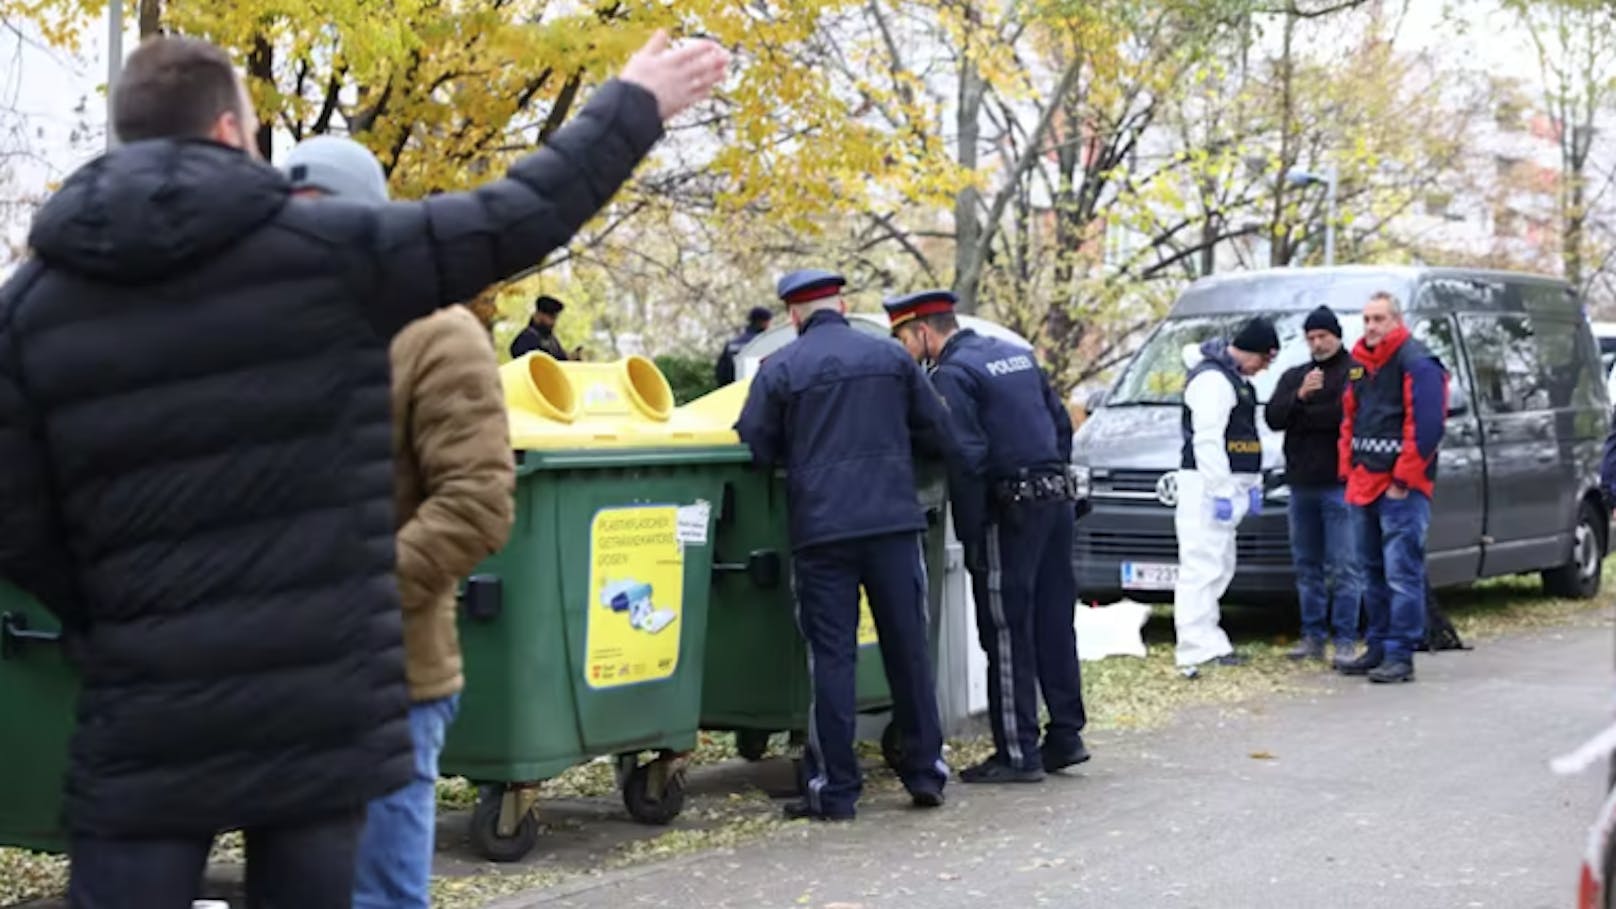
x=1514, y=604
x=30, y=875
x=593, y=779
x=474, y=891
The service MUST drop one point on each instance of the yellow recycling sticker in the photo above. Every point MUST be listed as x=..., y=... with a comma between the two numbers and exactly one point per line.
x=636, y=596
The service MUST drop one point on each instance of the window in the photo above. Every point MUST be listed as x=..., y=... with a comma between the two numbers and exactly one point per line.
x=1437, y=334
x=1505, y=358
x=1157, y=373
x=1572, y=368
x=1570, y=373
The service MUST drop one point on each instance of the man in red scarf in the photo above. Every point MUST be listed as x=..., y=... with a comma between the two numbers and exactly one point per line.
x=1393, y=415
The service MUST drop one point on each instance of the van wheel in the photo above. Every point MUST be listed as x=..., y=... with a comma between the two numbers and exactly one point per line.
x=1579, y=578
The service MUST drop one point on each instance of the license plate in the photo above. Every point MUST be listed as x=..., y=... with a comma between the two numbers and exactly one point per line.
x=1149, y=576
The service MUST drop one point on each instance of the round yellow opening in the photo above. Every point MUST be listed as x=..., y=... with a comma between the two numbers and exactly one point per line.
x=552, y=390
x=648, y=388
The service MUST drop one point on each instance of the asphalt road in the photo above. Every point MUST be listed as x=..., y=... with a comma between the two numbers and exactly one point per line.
x=1435, y=794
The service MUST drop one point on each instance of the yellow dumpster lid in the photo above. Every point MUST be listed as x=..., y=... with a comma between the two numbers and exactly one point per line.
x=721, y=407
x=624, y=404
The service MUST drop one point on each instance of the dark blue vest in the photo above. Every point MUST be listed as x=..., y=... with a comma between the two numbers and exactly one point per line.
x=1381, y=419
x=1241, y=441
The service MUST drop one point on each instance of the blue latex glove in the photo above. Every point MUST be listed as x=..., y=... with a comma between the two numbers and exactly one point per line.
x=1223, y=510
x=1255, y=504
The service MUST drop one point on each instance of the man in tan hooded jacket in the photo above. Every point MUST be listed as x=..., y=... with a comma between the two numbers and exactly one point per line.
x=455, y=478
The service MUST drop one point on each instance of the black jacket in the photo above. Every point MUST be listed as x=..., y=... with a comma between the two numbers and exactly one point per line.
x=844, y=414
x=1007, y=420
x=724, y=370
x=195, y=460
x=1312, y=428
x=530, y=339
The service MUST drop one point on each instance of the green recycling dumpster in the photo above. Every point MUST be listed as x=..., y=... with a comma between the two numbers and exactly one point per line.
x=586, y=635
x=38, y=690
x=756, y=677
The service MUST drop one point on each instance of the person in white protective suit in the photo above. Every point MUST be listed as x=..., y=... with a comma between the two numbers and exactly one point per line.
x=1220, y=481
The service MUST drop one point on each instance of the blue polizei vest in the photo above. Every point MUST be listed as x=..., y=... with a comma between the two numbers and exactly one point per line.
x=1241, y=440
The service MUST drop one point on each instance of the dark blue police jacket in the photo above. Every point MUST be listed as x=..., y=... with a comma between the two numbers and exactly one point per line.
x=845, y=414
x=1006, y=419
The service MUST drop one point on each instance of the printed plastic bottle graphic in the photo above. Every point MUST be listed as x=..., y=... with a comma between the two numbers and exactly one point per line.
x=634, y=597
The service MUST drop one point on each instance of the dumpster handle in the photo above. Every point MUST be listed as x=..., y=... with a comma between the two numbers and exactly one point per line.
x=14, y=634
x=762, y=566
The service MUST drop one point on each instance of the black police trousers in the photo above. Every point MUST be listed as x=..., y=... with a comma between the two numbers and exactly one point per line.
x=826, y=580
x=1026, y=597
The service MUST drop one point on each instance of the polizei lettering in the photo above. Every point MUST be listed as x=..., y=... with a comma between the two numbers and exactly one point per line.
x=1009, y=365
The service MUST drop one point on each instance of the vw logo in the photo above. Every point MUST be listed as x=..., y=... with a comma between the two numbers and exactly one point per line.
x=1167, y=489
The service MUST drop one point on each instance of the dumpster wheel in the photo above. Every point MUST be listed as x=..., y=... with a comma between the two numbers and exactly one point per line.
x=654, y=793
x=892, y=746
x=752, y=744
x=486, y=837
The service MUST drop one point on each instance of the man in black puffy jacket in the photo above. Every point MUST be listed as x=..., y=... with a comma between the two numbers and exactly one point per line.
x=844, y=414
x=1306, y=407
x=196, y=471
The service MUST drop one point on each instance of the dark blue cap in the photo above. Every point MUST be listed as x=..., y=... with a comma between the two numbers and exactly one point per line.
x=760, y=314
x=809, y=284
x=924, y=303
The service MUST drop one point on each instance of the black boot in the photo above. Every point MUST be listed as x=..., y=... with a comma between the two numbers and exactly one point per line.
x=1369, y=659
x=1057, y=760
x=1392, y=671
x=997, y=770
x=800, y=811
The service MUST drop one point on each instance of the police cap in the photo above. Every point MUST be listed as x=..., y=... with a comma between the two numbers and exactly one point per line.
x=548, y=305
x=808, y=285
x=913, y=306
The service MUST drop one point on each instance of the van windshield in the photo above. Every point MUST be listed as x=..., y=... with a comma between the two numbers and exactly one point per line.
x=1156, y=374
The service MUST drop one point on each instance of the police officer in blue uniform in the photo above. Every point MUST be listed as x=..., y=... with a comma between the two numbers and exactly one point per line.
x=1014, y=512
x=845, y=414
x=757, y=322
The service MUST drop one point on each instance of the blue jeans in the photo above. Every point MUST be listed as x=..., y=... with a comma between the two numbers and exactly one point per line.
x=395, y=850
x=1391, y=536
x=1325, y=550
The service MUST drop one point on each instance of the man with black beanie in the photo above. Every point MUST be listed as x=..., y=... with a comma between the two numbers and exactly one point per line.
x=1306, y=407
x=1219, y=483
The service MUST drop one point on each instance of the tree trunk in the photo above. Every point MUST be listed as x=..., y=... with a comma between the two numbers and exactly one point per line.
x=261, y=66
x=151, y=18
x=967, y=205
x=1576, y=202
x=1279, y=251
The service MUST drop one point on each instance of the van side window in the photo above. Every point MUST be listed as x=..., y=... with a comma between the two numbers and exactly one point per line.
x=1507, y=363
x=1437, y=334
x=1570, y=370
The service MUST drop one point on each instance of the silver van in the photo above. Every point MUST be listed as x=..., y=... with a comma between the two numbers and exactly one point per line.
x=1518, y=476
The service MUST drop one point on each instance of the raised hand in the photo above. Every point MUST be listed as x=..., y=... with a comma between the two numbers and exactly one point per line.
x=680, y=76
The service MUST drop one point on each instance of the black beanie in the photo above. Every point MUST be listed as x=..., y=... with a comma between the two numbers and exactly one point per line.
x=1322, y=319
x=1258, y=337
